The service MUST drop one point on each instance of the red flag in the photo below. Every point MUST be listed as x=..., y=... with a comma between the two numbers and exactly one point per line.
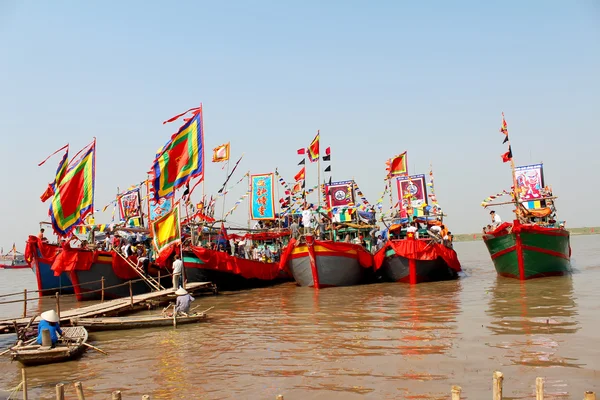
x=313, y=149
x=397, y=166
x=300, y=175
x=506, y=157
x=47, y=194
x=302, y=151
x=504, y=127
x=328, y=151
x=224, y=232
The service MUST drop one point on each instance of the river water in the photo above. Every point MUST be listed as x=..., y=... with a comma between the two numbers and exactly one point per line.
x=382, y=341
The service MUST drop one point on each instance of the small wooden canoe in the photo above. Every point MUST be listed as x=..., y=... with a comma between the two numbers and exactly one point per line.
x=70, y=346
x=148, y=321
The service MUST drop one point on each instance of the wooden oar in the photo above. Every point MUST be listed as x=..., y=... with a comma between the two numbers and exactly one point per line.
x=24, y=344
x=95, y=348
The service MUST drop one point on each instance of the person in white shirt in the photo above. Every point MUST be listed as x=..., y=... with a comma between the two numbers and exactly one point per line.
x=307, y=221
x=496, y=220
x=177, y=271
x=413, y=229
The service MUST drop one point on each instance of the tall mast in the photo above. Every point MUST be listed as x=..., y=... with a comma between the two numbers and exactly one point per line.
x=319, y=171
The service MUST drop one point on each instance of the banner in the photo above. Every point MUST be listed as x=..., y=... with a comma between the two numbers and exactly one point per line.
x=530, y=182
x=412, y=193
x=165, y=230
x=130, y=205
x=262, y=203
x=340, y=194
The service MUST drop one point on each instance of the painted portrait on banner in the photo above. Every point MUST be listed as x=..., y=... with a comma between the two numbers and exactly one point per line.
x=262, y=205
x=130, y=205
x=530, y=181
x=412, y=191
x=340, y=194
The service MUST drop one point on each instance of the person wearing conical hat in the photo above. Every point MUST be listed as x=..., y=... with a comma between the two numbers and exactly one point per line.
x=184, y=300
x=49, y=321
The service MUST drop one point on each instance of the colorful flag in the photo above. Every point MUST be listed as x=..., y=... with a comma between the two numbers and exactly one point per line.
x=165, y=230
x=396, y=166
x=221, y=153
x=506, y=157
x=313, y=149
x=301, y=151
x=262, y=204
x=300, y=175
x=74, y=194
x=60, y=173
x=340, y=194
x=181, y=159
x=504, y=127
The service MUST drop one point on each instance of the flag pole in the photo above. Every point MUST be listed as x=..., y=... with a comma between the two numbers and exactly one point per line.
x=319, y=172
x=225, y=192
x=181, y=246
x=277, y=194
x=249, y=201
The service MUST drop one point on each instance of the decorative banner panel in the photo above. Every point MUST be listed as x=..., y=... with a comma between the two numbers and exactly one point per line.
x=158, y=208
x=412, y=191
x=340, y=194
x=530, y=182
x=129, y=205
x=262, y=202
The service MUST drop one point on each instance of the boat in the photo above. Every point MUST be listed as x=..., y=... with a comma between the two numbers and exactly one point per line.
x=535, y=244
x=71, y=345
x=97, y=273
x=426, y=255
x=17, y=263
x=326, y=263
x=40, y=255
x=229, y=272
x=136, y=322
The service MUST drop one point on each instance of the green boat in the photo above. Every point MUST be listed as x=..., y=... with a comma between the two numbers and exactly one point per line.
x=535, y=244
x=527, y=251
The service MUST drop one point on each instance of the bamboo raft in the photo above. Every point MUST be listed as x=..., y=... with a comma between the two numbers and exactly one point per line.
x=136, y=322
x=109, y=308
x=71, y=345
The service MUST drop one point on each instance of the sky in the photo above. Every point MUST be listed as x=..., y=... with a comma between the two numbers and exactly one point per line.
x=376, y=78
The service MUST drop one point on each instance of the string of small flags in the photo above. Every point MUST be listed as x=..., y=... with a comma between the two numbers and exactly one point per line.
x=237, y=203
x=491, y=198
x=247, y=174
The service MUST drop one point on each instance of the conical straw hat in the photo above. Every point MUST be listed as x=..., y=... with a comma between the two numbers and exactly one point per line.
x=50, y=316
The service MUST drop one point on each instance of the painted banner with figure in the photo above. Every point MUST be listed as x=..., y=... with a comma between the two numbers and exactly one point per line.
x=157, y=209
x=412, y=194
x=130, y=204
x=340, y=194
x=262, y=202
x=530, y=181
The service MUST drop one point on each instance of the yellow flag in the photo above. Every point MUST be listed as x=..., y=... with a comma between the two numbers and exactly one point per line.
x=165, y=230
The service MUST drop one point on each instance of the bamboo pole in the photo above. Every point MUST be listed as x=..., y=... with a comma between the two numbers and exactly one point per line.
x=456, y=392
x=60, y=391
x=24, y=380
x=79, y=391
x=589, y=396
x=539, y=388
x=24, y=303
x=102, y=293
x=116, y=395
x=498, y=377
x=131, y=294
x=57, y=304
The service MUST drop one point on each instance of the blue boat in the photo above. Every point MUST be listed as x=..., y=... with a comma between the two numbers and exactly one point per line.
x=40, y=256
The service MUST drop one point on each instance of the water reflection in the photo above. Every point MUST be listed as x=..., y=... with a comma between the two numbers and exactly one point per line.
x=533, y=318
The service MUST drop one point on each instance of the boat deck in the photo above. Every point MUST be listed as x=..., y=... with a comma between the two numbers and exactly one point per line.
x=111, y=307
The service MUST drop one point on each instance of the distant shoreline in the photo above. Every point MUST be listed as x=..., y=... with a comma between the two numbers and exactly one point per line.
x=472, y=237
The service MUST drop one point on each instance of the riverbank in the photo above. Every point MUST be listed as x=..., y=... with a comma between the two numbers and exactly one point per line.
x=470, y=237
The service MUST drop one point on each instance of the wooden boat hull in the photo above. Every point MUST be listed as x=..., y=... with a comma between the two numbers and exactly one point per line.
x=528, y=251
x=228, y=272
x=396, y=268
x=322, y=264
x=40, y=257
x=122, y=323
x=36, y=355
x=415, y=261
x=88, y=283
